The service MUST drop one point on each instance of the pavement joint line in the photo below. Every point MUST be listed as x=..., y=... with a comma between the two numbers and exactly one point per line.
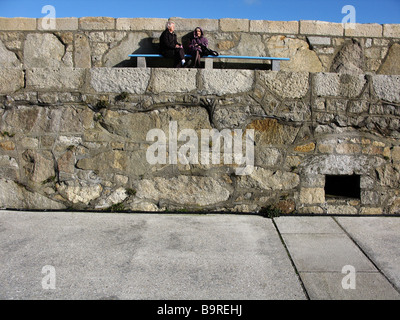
x=291, y=260
x=366, y=255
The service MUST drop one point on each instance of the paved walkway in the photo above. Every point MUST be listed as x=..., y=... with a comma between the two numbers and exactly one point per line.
x=64, y=255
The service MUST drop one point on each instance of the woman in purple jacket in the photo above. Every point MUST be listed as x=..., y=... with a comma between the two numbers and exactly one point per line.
x=195, y=45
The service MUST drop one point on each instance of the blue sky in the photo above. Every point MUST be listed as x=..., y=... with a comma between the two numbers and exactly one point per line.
x=367, y=11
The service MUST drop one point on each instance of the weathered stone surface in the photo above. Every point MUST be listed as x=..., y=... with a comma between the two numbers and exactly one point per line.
x=61, y=79
x=391, y=64
x=182, y=24
x=139, y=24
x=334, y=84
x=79, y=191
x=271, y=132
x=364, y=30
x=96, y=23
x=184, y=190
x=280, y=27
x=134, y=43
x=235, y=117
x=269, y=180
x=391, y=30
x=116, y=197
x=301, y=57
x=17, y=24
x=312, y=195
x=39, y=167
x=350, y=59
x=173, y=80
x=340, y=164
x=8, y=59
x=82, y=57
x=222, y=82
x=118, y=161
x=234, y=25
x=43, y=50
x=60, y=24
x=15, y=196
x=387, y=87
x=11, y=79
x=133, y=126
x=119, y=80
x=286, y=84
x=321, y=28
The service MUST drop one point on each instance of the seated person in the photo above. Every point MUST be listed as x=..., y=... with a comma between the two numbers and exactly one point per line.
x=196, y=44
x=169, y=46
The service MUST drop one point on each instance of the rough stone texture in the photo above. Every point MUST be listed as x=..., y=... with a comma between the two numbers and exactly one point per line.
x=364, y=30
x=222, y=82
x=287, y=84
x=17, y=24
x=133, y=43
x=269, y=180
x=321, y=28
x=8, y=59
x=79, y=192
x=43, y=51
x=172, y=80
x=11, y=80
x=280, y=27
x=108, y=41
x=350, y=59
x=391, y=64
x=77, y=138
x=61, y=24
x=391, y=30
x=387, y=87
x=139, y=24
x=185, y=190
x=301, y=57
x=14, y=196
x=119, y=80
x=334, y=84
x=61, y=79
x=96, y=23
x=82, y=57
x=234, y=25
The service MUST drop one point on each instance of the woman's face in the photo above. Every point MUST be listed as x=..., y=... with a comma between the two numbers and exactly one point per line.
x=198, y=32
x=171, y=28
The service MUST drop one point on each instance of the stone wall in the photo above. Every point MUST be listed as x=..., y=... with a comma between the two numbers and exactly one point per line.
x=312, y=46
x=74, y=118
x=77, y=138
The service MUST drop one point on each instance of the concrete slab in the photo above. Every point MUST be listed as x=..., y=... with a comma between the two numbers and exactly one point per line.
x=321, y=248
x=292, y=224
x=133, y=256
x=325, y=253
x=367, y=286
x=379, y=238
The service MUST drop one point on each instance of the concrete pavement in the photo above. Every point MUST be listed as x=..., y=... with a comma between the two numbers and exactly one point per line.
x=72, y=255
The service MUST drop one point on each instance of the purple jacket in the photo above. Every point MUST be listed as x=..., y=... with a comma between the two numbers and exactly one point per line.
x=197, y=40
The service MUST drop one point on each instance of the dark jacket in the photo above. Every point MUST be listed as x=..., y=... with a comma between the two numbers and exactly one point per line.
x=168, y=41
x=197, y=40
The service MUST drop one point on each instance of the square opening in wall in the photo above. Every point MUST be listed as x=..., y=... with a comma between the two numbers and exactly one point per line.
x=342, y=186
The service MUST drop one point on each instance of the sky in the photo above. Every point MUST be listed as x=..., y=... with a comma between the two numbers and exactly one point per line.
x=366, y=11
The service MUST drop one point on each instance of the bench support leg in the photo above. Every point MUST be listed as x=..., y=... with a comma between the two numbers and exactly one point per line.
x=141, y=62
x=276, y=65
x=208, y=63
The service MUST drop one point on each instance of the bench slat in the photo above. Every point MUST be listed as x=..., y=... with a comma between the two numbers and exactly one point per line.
x=209, y=64
x=220, y=56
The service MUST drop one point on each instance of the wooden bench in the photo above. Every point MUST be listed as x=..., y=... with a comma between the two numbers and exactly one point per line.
x=141, y=59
